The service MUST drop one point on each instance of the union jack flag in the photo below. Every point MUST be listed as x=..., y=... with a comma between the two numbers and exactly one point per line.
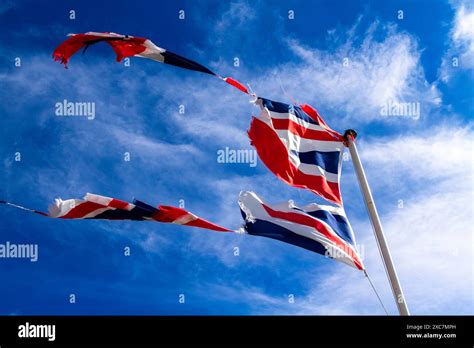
x=320, y=228
x=296, y=145
x=105, y=208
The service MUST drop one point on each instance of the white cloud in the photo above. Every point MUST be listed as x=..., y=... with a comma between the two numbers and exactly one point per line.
x=460, y=54
x=357, y=80
x=432, y=236
x=463, y=34
x=239, y=13
x=153, y=150
x=442, y=154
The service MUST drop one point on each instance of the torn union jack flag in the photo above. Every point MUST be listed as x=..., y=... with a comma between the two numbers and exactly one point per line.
x=296, y=145
x=320, y=228
x=130, y=46
x=106, y=208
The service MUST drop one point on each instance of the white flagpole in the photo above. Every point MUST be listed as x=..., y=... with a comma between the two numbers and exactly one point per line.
x=350, y=136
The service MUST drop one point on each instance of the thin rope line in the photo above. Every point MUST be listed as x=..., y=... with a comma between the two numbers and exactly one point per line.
x=23, y=208
x=284, y=91
x=376, y=293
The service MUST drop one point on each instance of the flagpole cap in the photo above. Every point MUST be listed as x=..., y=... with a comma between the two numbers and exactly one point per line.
x=349, y=134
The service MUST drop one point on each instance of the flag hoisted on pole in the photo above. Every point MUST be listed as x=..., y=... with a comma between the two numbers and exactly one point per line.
x=350, y=136
x=295, y=144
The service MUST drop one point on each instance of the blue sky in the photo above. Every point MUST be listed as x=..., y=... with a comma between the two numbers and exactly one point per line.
x=420, y=168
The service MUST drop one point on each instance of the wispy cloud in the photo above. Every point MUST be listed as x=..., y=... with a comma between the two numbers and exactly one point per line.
x=358, y=79
x=460, y=54
x=238, y=13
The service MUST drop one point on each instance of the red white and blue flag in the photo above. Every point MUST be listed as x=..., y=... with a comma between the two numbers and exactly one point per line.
x=131, y=46
x=319, y=228
x=105, y=208
x=298, y=147
x=293, y=141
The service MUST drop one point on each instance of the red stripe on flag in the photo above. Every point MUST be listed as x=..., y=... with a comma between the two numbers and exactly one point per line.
x=319, y=226
x=171, y=214
x=168, y=214
x=274, y=155
x=313, y=113
x=207, y=224
x=236, y=84
x=123, y=47
x=81, y=210
x=118, y=204
x=70, y=46
x=301, y=131
x=127, y=48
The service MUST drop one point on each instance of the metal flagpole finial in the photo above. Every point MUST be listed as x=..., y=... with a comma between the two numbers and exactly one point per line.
x=349, y=134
